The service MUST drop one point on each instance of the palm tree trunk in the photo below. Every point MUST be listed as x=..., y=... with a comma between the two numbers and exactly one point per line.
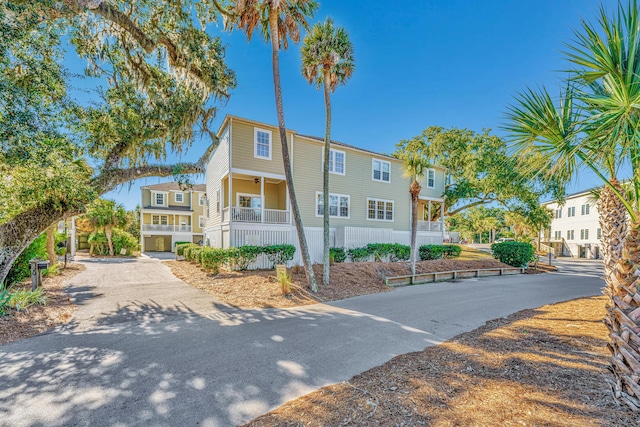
x=275, y=62
x=325, y=177
x=613, y=223
x=108, y=231
x=415, y=192
x=51, y=245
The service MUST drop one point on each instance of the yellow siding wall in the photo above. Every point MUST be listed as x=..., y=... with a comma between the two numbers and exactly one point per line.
x=242, y=152
x=185, y=198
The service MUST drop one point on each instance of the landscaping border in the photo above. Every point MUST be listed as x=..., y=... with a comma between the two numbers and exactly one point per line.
x=441, y=276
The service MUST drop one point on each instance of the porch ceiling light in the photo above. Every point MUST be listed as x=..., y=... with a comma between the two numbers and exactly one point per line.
x=256, y=180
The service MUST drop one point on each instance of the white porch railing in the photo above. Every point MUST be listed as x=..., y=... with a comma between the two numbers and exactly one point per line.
x=271, y=216
x=429, y=226
x=166, y=228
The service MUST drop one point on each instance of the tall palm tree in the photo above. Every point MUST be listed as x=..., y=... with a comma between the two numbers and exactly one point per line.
x=106, y=215
x=415, y=163
x=327, y=60
x=278, y=20
x=595, y=124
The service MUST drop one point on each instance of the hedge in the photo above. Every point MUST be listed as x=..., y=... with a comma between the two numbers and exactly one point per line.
x=516, y=254
x=381, y=252
x=428, y=252
x=337, y=254
x=237, y=258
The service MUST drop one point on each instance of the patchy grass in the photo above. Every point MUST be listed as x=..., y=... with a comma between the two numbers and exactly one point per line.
x=471, y=254
x=542, y=367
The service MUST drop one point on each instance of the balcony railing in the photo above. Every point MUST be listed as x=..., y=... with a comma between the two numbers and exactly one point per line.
x=429, y=226
x=166, y=228
x=271, y=216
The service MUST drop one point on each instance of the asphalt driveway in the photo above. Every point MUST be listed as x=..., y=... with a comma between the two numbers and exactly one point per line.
x=146, y=349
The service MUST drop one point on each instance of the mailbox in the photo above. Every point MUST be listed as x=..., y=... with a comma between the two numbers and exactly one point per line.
x=37, y=265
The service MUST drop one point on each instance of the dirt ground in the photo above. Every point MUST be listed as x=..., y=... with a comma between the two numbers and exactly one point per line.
x=260, y=289
x=39, y=318
x=541, y=367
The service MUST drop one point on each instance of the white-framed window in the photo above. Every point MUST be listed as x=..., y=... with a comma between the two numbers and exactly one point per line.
x=381, y=170
x=200, y=221
x=558, y=235
x=218, y=201
x=584, y=209
x=570, y=234
x=571, y=211
x=431, y=178
x=158, y=199
x=584, y=234
x=201, y=199
x=178, y=197
x=379, y=210
x=558, y=213
x=262, y=143
x=339, y=205
x=337, y=160
x=248, y=200
x=159, y=220
x=599, y=233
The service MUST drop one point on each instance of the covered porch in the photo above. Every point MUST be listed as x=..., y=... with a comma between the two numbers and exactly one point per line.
x=431, y=215
x=255, y=198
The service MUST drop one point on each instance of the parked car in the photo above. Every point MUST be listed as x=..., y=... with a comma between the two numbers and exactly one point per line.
x=505, y=239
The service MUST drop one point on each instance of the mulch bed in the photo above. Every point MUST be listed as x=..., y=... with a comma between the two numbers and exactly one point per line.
x=260, y=289
x=541, y=367
x=40, y=318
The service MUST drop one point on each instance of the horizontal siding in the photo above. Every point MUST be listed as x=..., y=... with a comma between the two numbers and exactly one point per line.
x=242, y=141
x=217, y=166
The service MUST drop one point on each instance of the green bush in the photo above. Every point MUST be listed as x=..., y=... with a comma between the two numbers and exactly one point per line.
x=181, y=247
x=359, y=254
x=400, y=252
x=337, y=254
x=21, y=269
x=517, y=254
x=192, y=253
x=428, y=252
x=24, y=298
x=212, y=258
x=279, y=254
x=240, y=258
x=120, y=240
x=452, y=251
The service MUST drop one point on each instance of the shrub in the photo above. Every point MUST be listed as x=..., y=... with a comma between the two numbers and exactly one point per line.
x=21, y=268
x=241, y=257
x=24, y=298
x=5, y=296
x=212, y=258
x=192, y=253
x=428, y=252
x=452, y=251
x=181, y=247
x=279, y=254
x=284, y=279
x=123, y=240
x=400, y=252
x=359, y=254
x=517, y=254
x=337, y=254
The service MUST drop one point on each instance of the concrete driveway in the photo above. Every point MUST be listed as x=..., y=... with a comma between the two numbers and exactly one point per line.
x=146, y=349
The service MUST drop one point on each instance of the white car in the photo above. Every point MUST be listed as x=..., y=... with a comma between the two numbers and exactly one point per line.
x=505, y=239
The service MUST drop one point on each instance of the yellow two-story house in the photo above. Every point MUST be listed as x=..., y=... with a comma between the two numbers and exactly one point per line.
x=171, y=214
x=247, y=202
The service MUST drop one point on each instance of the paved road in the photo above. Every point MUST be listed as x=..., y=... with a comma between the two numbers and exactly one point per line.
x=146, y=349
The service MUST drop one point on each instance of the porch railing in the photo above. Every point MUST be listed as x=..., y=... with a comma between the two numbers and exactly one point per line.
x=429, y=226
x=239, y=214
x=166, y=228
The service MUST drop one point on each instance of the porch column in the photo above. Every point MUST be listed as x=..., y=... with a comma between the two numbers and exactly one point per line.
x=230, y=199
x=429, y=214
x=174, y=223
x=288, y=205
x=262, y=199
x=442, y=218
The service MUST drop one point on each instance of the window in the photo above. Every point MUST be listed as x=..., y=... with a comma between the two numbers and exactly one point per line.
x=381, y=170
x=338, y=205
x=201, y=199
x=584, y=209
x=379, y=210
x=200, y=221
x=558, y=235
x=249, y=201
x=431, y=178
x=159, y=219
x=336, y=161
x=599, y=233
x=218, y=200
x=178, y=197
x=558, y=213
x=570, y=234
x=159, y=199
x=262, y=144
x=584, y=234
x=571, y=211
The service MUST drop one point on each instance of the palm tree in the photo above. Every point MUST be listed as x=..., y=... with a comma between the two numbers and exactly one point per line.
x=327, y=60
x=414, y=164
x=595, y=124
x=106, y=215
x=278, y=20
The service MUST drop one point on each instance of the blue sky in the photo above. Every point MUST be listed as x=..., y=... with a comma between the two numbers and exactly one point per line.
x=419, y=63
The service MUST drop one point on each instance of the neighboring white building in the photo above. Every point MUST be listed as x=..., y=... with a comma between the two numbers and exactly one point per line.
x=575, y=230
